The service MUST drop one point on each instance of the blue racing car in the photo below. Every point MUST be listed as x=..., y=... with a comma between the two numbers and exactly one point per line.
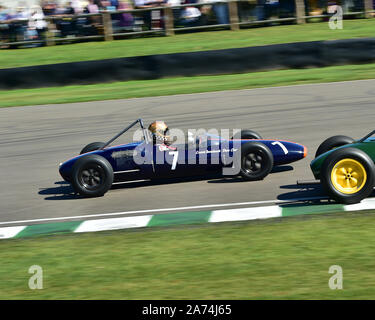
x=158, y=155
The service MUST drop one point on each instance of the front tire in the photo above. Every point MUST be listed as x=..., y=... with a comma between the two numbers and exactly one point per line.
x=348, y=175
x=92, y=176
x=92, y=147
x=256, y=161
x=332, y=143
x=247, y=134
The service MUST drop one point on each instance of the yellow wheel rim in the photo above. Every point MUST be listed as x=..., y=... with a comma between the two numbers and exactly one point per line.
x=348, y=176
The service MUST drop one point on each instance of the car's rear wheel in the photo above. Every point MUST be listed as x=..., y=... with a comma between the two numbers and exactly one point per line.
x=332, y=143
x=348, y=175
x=256, y=161
x=247, y=134
x=92, y=176
x=92, y=147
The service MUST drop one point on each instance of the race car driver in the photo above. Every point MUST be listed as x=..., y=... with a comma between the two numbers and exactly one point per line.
x=159, y=131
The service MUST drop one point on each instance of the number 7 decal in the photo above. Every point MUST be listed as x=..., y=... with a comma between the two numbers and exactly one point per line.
x=175, y=157
x=281, y=146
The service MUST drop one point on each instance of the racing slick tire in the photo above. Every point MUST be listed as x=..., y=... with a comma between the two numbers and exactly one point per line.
x=92, y=147
x=256, y=161
x=332, y=143
x=347, y=175
x=247, y=134
x=92, y=176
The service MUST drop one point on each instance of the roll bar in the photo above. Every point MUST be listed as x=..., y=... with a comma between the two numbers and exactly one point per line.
x=144, y=131
x=367, y=136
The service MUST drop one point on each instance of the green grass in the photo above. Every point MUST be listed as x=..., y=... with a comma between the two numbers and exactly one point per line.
x=169, y=86
x=274, y=259
x=184, y=43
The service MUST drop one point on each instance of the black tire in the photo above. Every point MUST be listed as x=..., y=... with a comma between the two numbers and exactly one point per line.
x=92, y=147
x=256, y=161
x=351, y=154
x=332, y=143
x=92, y=176
x=247, y=134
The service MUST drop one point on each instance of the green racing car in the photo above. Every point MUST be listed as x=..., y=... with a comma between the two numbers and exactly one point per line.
x=345, y=167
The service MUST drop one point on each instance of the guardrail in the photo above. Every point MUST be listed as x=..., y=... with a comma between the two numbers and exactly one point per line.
x=105, y=31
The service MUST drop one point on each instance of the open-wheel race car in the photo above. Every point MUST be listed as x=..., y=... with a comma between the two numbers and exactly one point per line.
x=100, y=165
x=345, y=167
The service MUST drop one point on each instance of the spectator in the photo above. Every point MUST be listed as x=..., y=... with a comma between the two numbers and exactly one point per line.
x=76, y=5
x=80, y=23
x=18, y=26
x=67, y=23
x=4, y=26
x=37, y=21
x=22, y=13
x=99, y=4
x=49, y=8
x=271, y=9
x=347, y=5
x=176, y=11
x=287, y=8
x=114, y=3
x=146, y=15
x=220, y=10
x=93, y=7
x=69, y=9
x=107, y=5
x=260, y=11
x=190, y=17
x=126, y=19
x=4, y=14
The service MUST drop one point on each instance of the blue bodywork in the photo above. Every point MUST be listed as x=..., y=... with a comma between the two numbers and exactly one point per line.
x=183, y=160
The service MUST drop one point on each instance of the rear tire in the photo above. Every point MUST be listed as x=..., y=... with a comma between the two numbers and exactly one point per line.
x=332, y=143
x=256, y=161
x=92, y=147
x=247, y=134
x=92, y=176
x=347, y=175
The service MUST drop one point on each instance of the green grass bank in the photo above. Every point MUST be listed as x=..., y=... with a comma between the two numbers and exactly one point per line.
x=286, y=258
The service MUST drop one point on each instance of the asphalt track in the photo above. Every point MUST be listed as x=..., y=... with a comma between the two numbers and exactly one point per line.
x=35, y=139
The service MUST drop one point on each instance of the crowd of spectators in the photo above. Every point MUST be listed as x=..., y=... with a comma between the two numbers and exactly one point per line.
x=30, y=23
x=65, y=19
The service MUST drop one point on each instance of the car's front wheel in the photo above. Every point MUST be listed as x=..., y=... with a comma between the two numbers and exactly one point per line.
x=247, y=134
x=92, y=176
x=92, y=147
x=332, y=143
x=348, y=175
x=256, y=161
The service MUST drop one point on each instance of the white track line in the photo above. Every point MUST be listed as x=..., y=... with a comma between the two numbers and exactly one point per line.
x=163, y=210
x=114, y=224
x=10, y=232
x=246, y=214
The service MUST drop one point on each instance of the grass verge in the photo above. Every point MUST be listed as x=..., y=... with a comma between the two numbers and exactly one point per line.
x=185, y=43
x=274, y=259
x=183, y=85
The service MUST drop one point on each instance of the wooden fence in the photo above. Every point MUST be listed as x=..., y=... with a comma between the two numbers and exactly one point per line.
x=107, y=33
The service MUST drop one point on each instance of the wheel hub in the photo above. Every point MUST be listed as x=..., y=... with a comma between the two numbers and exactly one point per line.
x=91, y=178
x=348, y=176
x=253, y=162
